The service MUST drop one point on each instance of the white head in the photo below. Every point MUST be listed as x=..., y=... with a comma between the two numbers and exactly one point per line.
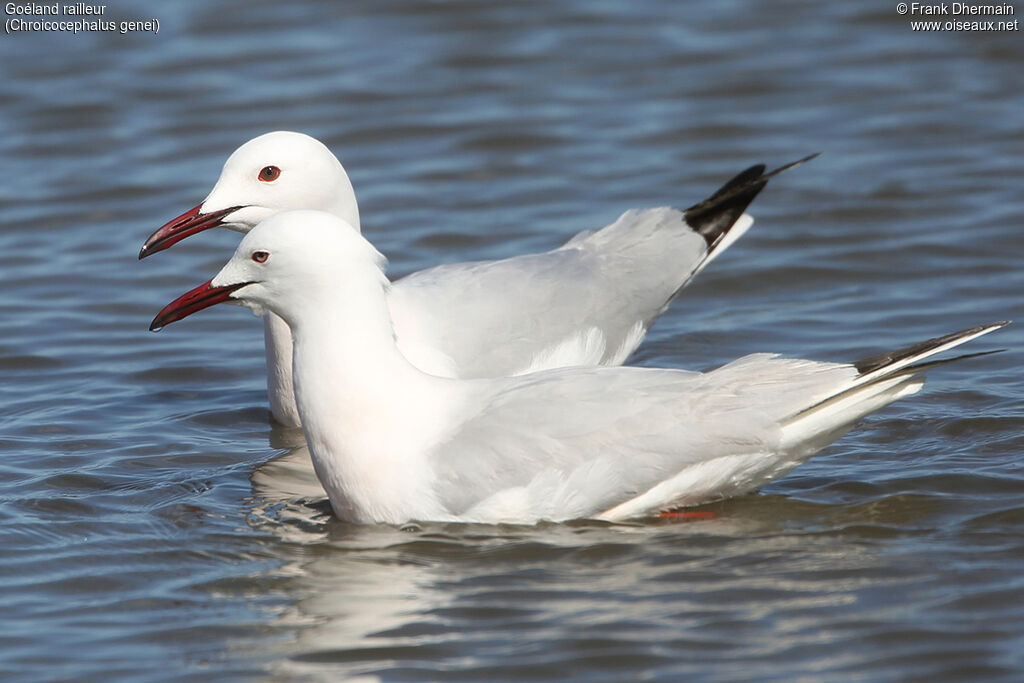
x=293, y=263
x=282, y=171
x=279, y=171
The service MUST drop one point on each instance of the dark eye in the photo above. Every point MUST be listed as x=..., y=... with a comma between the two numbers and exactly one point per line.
x=269, y=174
x=260, y=256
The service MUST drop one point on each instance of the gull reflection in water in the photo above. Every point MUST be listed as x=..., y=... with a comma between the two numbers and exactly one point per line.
x=369, y=599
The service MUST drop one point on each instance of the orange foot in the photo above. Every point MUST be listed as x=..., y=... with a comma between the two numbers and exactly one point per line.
x=689, y=514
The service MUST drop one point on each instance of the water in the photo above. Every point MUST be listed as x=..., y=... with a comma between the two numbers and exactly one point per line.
x=145, y=536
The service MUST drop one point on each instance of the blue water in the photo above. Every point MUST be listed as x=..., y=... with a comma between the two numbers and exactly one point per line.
x=149, y=527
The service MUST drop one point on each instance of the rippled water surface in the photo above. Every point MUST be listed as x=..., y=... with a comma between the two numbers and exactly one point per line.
x=155, y=526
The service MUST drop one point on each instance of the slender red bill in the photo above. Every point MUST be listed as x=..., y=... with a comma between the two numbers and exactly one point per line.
x=203, y=296
x=185, y=225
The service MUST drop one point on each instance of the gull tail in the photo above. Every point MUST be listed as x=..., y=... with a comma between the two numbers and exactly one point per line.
x=720, y=220
x=879, y=381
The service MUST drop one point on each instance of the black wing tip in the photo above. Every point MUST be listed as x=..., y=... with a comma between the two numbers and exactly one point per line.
x=715, y=216
x=792, y=164
x=878, y=362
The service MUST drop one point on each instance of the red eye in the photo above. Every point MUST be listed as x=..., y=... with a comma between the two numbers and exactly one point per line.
x=269, y=174
x=260, y=256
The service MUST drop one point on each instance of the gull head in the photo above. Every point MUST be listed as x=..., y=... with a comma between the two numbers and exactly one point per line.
x=279, y=171
x=294, y=263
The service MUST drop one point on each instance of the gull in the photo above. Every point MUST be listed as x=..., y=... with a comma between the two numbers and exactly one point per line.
x=391, y=443
x=588, y=302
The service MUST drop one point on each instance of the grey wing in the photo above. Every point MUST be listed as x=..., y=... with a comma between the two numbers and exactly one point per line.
x=620, y=442
x=572, y=443
x=589, y=302
x=576, y=442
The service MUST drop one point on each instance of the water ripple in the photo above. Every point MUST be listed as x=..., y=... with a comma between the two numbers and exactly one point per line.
x=155, y=524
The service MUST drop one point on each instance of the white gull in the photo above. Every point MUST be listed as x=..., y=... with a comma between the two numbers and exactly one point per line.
x=588, y=302
x=391, y=443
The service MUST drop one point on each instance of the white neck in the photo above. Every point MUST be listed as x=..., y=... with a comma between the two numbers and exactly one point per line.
x=344, y=204
x=280, y=392
x=355, y=340
x=370, y=417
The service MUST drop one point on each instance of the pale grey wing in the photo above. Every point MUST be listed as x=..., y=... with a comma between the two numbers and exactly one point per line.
x=621, y=442
x=587, y=303
x=576, y=442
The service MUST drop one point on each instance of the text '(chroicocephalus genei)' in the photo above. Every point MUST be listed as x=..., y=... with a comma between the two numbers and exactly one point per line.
x=589, y=302
x=391, y=443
